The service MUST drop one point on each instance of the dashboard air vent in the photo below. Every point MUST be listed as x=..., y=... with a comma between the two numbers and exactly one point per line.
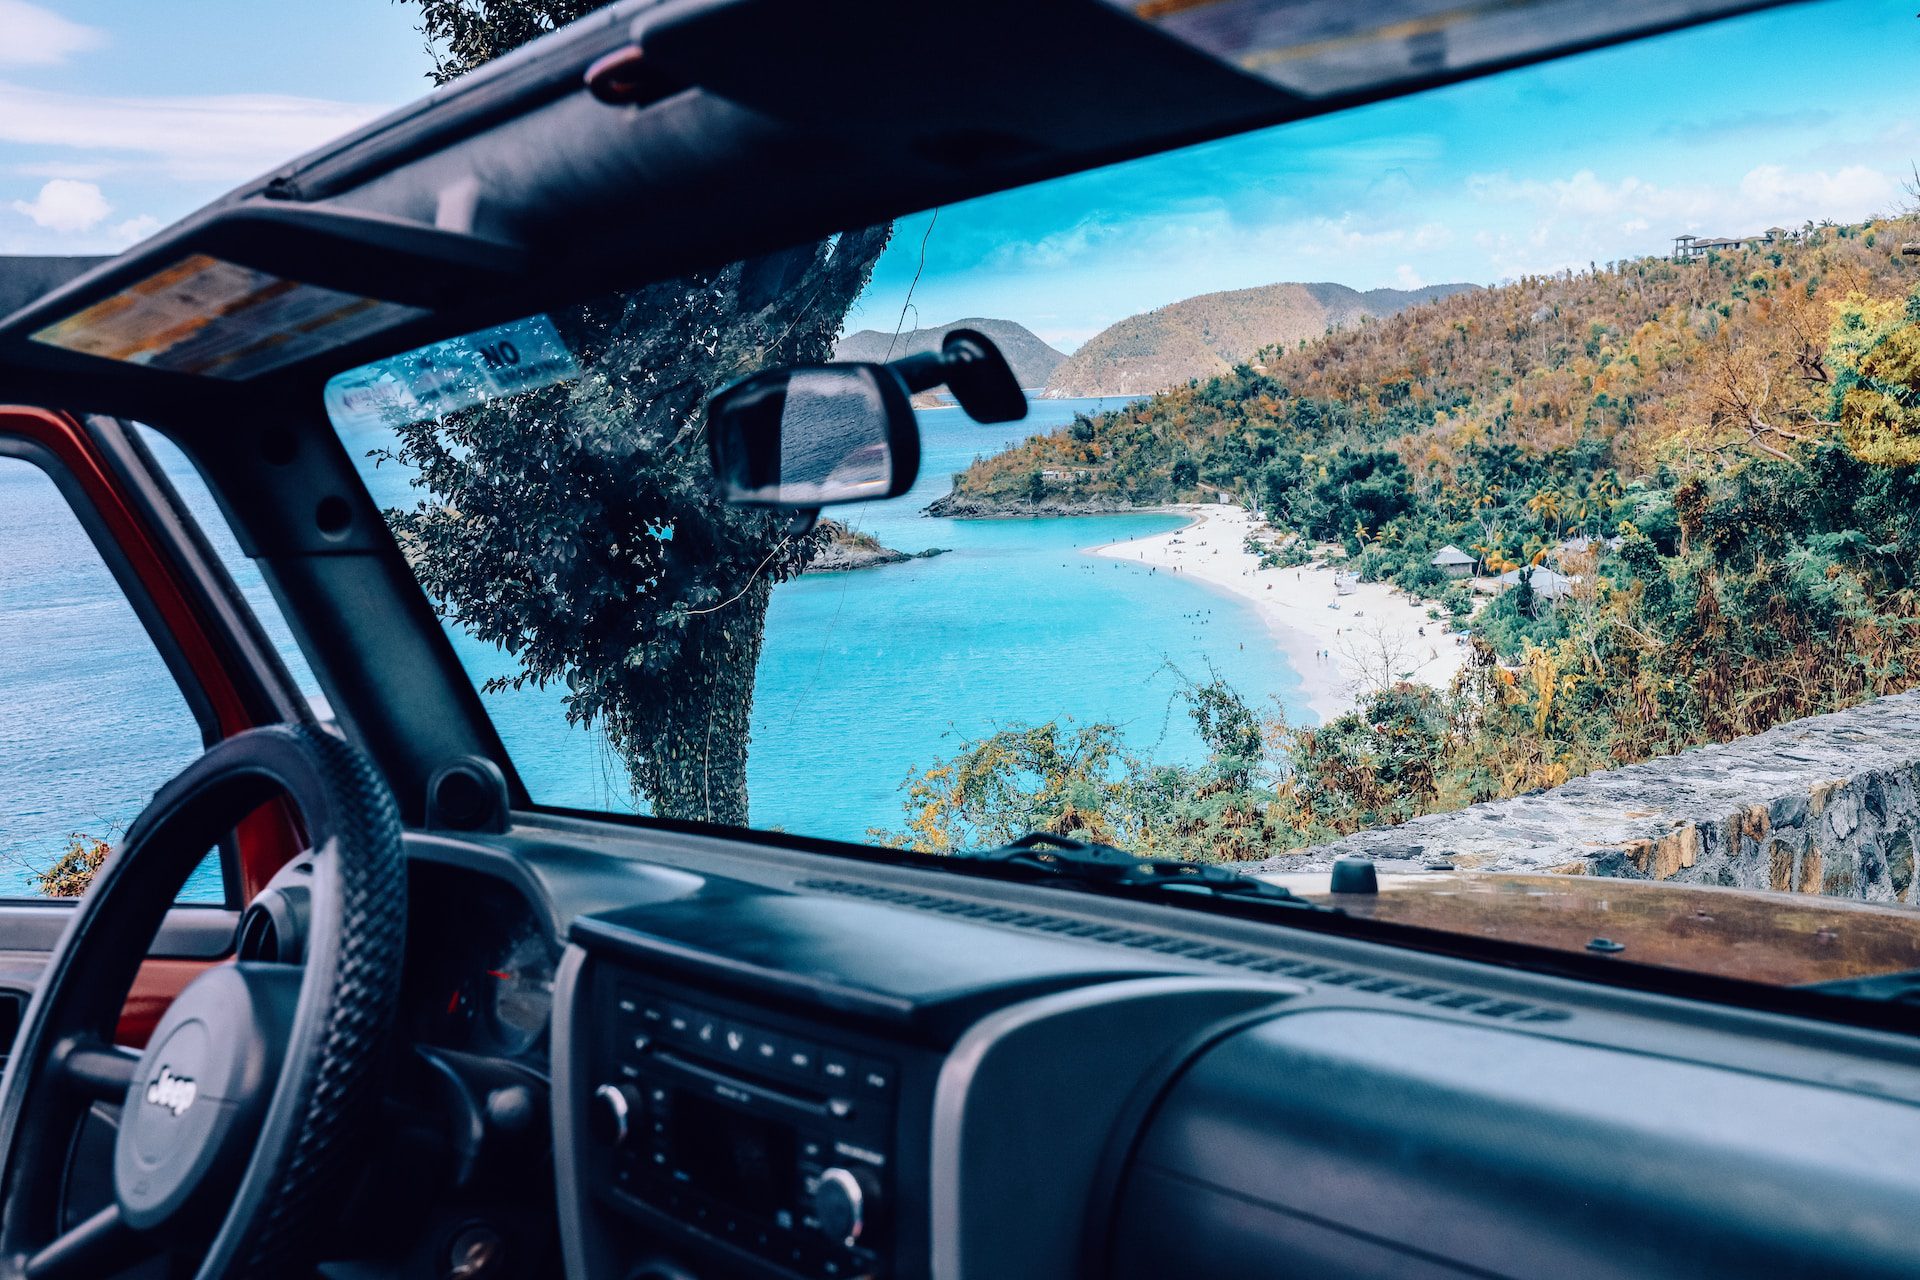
x=1192, y=949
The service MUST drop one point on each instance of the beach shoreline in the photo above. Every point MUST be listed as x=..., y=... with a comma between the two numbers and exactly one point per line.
x=1375, y=630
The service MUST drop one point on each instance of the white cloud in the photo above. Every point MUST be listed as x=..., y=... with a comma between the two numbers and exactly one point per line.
x=1853, y=192
x=1585, y=195
x=1349, y=234
x=1768, y=193
x=91, y=172
x=40, y=37
x=211, y=138
x=134, y=230
x=66, y=205
x=1572, y=221
x=1406, y=277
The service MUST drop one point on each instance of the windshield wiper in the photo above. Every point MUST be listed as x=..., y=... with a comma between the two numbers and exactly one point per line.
x=1902, y=987
x=1067, y=860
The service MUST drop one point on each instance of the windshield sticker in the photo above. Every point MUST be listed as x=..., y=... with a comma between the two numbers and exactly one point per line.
x=204, y=315
x=446, y=377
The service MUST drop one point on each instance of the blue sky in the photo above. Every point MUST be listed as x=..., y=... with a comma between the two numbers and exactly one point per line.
x=1804, y=113
x=139, y=111
x=118, y=116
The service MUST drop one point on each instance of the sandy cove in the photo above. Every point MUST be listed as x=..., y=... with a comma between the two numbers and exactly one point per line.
x=1375, y=629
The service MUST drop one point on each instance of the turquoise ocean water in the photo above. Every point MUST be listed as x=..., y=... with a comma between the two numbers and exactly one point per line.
x=869, y=675
x=865, y=676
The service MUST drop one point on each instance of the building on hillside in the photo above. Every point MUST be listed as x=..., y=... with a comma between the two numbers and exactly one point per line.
x=1453, y=562
x=1549, y=585
x=1580, y=544
x=1687, y=248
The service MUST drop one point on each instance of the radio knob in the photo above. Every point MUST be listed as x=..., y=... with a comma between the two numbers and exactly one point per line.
x=845, y=1204
x=614, y=1116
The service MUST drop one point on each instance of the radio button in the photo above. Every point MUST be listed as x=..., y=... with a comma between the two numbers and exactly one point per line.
x=802, y=1057
x=836, y=1066
x=840, y=1108
x=767, y=1049
x=876, y=1077
x=845, y=1204
x=615, y=1114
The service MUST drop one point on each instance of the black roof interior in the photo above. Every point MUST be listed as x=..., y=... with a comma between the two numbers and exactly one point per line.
x=514, y=189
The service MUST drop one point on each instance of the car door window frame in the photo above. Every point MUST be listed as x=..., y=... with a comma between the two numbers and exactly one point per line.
x=209, y=613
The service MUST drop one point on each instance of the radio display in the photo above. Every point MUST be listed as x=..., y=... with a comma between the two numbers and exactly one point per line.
x=742, y=1159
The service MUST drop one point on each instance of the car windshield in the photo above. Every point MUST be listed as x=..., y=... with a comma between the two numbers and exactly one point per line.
x=1438, y=460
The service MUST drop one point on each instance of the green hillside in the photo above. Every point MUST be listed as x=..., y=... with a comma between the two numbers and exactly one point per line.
x=1209, y=334
x=1723, y=454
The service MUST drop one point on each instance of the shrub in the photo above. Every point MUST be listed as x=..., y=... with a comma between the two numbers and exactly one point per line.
x=73, y=871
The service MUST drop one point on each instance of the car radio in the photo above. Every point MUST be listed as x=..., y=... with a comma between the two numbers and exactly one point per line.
x=755, y=1138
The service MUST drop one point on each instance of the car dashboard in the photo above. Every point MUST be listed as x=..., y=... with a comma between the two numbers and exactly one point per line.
x=771, y=1063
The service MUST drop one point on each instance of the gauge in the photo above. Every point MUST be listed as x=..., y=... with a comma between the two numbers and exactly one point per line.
x=480, y=963
x=521, y=996
x=446, y=1013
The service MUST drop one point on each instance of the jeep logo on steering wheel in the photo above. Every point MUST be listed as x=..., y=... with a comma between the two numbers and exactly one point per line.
x=175, y=1093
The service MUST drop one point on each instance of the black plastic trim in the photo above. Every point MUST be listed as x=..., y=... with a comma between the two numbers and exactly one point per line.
x=190, y=932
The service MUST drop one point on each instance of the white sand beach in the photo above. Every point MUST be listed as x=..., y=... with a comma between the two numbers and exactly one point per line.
x=1374, y=634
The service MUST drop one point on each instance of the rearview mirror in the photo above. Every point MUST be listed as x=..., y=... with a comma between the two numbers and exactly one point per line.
x=820, y=435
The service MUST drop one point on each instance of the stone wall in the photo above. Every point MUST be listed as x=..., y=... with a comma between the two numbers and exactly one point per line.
x=1830, y=805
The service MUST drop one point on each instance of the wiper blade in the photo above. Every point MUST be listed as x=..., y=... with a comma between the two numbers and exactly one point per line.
x=1902, y=987
x=1089, y=863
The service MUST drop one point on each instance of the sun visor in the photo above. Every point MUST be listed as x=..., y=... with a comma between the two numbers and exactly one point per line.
x=247, y=291
x=1336, y=48
x=205, y=315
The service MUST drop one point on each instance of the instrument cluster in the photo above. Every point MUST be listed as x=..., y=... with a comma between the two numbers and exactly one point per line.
x=480, y=965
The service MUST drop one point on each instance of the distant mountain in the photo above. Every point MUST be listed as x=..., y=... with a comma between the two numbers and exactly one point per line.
x=1211, y=333
x=1033, y=361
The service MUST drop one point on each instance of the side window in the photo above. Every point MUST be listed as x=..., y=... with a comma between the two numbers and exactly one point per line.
x=200, y=504
x=91, y=720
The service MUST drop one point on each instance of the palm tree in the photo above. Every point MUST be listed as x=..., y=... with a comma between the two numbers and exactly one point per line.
x=1545, y=506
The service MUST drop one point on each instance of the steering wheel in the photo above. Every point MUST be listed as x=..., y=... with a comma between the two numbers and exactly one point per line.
x=240, y=1118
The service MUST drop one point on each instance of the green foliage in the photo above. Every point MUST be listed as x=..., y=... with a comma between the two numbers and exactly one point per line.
x=70, y=874
x=578, y=528
x=1081, y=781
x=1876, y=393
x=463, y=34
x=1721, y=453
